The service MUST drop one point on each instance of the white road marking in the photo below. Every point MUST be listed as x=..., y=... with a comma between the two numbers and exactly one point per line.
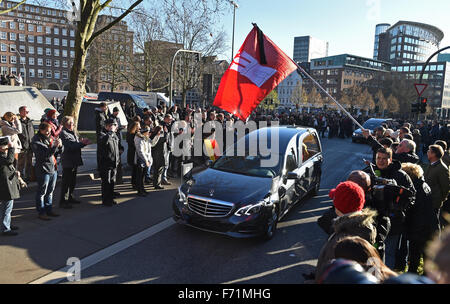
x=61, y=274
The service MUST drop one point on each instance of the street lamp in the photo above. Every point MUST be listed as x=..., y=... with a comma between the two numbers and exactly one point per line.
x=235, y=6
x=171, y=70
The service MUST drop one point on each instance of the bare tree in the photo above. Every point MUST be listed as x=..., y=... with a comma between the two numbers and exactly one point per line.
x=85, y=35
x=381, y=101
x=193, y=25
x=392, y=104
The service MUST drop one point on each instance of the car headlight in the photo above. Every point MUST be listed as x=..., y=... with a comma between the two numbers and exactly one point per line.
x=354, y=134
x=254, y=208
x=181, y=196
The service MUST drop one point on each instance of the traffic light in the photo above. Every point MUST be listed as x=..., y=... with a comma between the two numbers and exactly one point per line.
x=415, y=108
x=423, y=104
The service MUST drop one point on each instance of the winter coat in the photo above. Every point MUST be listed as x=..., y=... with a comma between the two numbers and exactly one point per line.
x=158, y=151
x=407, y=157
x=438, y=178
x=354, y=224
x=44, y=151
x=100, y=118
x=9, y=183
x=131, y=151
x=108, y=150
x=27, y=133
x=420, y=217
x=143, y=149
x=71, y=156
x=56, y=127
x=13, y=130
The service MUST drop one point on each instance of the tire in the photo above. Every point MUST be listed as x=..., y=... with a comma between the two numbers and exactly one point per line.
x=271, y=225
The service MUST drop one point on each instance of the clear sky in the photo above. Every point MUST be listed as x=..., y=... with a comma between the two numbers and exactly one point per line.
x=348, y=25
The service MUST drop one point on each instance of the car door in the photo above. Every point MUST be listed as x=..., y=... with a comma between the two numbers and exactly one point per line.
x=311, y=162
x=290, y=165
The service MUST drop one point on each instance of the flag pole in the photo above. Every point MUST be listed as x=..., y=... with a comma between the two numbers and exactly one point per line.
x=328, y=94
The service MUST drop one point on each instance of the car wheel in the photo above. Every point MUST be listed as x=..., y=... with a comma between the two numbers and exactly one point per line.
x=271, y=225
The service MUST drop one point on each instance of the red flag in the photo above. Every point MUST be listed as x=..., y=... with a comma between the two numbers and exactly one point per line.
x=258, y=67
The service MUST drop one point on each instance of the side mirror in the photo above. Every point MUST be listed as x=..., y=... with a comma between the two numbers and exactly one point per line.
x=292, y=175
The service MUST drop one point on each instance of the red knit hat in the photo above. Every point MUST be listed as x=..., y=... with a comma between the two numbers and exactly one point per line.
x=50, y=113
x=348, y=197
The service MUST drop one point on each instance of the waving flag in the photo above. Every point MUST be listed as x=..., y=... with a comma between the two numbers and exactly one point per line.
x=258, y=67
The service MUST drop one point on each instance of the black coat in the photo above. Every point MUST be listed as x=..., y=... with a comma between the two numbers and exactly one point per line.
x=420, y=217
x=409, y=157
x=27, y=133
x=131, y=149
x=44, y=153
x=9, y=183
x=108, y=150
x=100, y=118
x=71, y=156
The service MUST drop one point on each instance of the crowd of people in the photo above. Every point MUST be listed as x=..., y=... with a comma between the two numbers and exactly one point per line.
x=395, y=205
x=11, y=79
x=382, y=231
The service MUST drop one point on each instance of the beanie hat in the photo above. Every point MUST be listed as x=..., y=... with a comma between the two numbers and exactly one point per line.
x=348, y=197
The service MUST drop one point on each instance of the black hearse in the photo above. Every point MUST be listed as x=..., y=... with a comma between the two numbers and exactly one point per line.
x=243, y=196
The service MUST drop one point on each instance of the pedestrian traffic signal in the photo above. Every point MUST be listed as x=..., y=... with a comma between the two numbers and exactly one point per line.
x=415, y=108
x=423, y=105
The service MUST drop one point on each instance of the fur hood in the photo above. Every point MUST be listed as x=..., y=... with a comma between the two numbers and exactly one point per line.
x=359, y=223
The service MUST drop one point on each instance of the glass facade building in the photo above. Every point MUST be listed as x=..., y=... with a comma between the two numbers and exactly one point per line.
x=379, y=29
x=408, y=42
x=307, y=48
x=444, y=57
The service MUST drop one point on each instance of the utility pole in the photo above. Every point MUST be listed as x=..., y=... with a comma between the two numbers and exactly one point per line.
x=235, y=6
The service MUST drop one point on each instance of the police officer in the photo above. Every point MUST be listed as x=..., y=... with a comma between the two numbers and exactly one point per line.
x=109, y=158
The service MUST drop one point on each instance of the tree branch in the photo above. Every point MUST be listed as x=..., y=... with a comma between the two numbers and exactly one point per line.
x=12, y=8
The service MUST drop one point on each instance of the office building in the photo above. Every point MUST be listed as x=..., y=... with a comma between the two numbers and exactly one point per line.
x=379, y=29
x=307, y=48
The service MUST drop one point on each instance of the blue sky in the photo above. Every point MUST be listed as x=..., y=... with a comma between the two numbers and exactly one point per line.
x=348, y=25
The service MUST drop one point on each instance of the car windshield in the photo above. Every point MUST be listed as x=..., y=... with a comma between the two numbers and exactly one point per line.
x=250, y=165
x=372, y=124
x=139, y=101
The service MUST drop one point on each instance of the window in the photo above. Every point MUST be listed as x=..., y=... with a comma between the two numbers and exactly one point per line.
x=12, y=25
x=23, y=60
x=4, y=47
x=64, y=32
x=56, y=52
x=31, y=50
x=40, y=51
x=56, y=30
x=31, y=73
x=22, y=37
x=30, y=27
x=72, y=33
x=64, y=53
x=65, y=75
x=48, y=40
x=291, y=161
x=64, y=42
x=22, y=26
x=39, y=29
x=48, y=52
x=3, y=35
x=310, y=147
x=40, y=73
x=30, y=39
x=48, y=30
x=72, y=54
x=72, y=43
x=2, y=24
x=31, y=61
x=64, y=64
x=13, y=59
x=12, y=48
x=4, y=59
x=56, y=63
x=56, y=41
x=39, y=39
x=48, y=62
x=40, y=62
x=22, y=48
x=48, y=73
x=57, y=74
x=12, y=36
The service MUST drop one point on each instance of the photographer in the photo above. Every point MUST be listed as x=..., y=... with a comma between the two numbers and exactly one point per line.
x=9, y=185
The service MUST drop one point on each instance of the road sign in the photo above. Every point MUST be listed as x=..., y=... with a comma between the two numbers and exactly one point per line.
x=420, y=88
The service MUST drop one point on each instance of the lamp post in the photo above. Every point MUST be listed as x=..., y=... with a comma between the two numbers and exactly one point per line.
x=171, y=71
x=235, y=6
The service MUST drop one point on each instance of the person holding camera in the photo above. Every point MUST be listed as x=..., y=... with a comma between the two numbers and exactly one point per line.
x=12, y=127
x=71, y=160
x=45, y=147
x=9, y=184
x=109, y=158
x=159, y=138
x=25, y=161
x=167, y=124
x=143, y=158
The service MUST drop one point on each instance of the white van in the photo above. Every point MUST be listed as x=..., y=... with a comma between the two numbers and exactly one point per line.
x=152, y=99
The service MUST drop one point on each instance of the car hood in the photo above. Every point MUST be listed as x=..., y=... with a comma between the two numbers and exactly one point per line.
x=230, y=187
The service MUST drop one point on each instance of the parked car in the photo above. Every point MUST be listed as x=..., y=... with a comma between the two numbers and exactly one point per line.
x=124, y=97
x=239, y=197
x=371, y=125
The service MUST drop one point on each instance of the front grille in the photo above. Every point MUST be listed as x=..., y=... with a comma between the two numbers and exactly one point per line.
x=209, y=207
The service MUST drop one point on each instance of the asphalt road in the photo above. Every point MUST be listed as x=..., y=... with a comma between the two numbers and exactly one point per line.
x=179, y=254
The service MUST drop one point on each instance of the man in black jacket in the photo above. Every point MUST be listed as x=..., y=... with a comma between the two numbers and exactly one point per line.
x=405, y=152
x=71, y=160
x=44, y=147
x=109, y=158
x=25, y=162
